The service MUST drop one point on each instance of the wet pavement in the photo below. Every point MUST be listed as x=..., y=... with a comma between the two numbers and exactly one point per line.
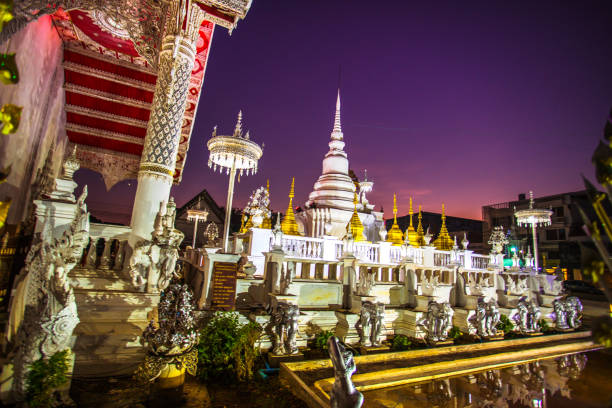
x=582, y=380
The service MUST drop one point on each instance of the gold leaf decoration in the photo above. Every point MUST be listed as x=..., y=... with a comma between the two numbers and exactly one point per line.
x=9, y=74
x=6, y=12
x=4, y=209
x=10, y=115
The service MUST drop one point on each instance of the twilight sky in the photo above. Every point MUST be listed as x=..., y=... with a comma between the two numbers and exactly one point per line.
x=467, y=104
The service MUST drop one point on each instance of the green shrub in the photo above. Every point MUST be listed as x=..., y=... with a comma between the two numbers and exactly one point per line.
x=44, y=377
x=544, y=326
x=320, y=340
x=401, y=343
x=227, y=349
x=505, y=324
x=455, y=333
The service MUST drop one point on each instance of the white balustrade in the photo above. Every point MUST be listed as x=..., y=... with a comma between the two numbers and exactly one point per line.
x=480, y=261
x=395, y=254
x=114, y=239
x=442, y=258
x=330, y=249
x=302, y=247
x=366, y=252
x=339, y=250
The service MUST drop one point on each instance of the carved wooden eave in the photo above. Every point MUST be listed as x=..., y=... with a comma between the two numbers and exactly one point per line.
x=225, y=13
x=110, y=57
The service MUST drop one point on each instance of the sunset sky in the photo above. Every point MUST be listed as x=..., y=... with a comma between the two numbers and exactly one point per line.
x=466, y=103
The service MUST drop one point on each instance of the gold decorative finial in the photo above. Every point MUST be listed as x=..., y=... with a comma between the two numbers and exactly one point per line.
x=289, y=225
x=420, y=233
x=395, y=235
x=411, y=235
x=238, y=129
x=394, y=207
x=444, y=241
x=267, y=222
x=355, y=227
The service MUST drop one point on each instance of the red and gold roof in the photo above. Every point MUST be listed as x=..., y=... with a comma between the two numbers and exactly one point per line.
x=109, y=89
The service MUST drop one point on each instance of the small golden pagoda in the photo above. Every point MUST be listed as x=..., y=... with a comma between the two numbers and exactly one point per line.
x=395, y=235
x=444, y=241
x=411, y=235
x=355, y=226
x=267, y=222
x=420, y=233
x=288, y=225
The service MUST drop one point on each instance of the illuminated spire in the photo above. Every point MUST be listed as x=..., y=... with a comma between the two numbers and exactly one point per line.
x=355, y=226
x=444, y=241
x=267, y=222
x=420, y=234
x=289, y=226
x=411, y=234
x=410, y=213
x=395, y=235
x=337, y=132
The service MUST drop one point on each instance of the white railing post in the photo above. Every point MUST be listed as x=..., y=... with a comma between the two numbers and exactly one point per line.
x=385, y=252
x=428, y=256
x=329, y=247
x=467, y=259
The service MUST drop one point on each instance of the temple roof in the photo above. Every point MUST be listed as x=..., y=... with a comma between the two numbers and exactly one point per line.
x=109, y=90
x=111, y=50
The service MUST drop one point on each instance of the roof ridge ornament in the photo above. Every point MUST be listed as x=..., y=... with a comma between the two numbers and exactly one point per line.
x=238, y=128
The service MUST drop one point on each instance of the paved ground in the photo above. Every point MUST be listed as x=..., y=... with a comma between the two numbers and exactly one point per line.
x=593, y=309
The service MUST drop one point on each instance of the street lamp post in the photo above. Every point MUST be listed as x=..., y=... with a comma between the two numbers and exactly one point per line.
x=533, y=217
x=235, y=153
x=196, y=216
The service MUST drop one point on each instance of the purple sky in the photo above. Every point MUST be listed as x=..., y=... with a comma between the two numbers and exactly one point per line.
x=465, y=104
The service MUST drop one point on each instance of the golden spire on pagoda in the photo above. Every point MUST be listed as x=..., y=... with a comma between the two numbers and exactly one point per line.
x=444, y=241
x=355, y=226
x=420, y=234
x=288, y=225
x=411, y=234
x=395, y=235
x=267, y=222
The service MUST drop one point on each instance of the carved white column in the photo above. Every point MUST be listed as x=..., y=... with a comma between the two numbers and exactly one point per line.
x=158, y=160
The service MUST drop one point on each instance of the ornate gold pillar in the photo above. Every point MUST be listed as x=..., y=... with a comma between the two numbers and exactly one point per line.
x=157, y=163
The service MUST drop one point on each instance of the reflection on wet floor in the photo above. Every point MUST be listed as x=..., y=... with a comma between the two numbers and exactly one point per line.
x=583, y=380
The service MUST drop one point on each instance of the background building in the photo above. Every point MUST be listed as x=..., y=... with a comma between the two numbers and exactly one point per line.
x=563, y=244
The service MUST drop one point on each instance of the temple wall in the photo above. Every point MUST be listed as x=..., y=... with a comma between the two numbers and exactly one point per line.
x=40, y=93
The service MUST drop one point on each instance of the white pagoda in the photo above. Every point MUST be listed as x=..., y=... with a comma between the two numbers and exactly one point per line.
x=330, y=205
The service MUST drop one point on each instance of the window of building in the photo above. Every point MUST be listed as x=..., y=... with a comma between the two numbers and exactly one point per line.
x=503, y=221
x=555, y=234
